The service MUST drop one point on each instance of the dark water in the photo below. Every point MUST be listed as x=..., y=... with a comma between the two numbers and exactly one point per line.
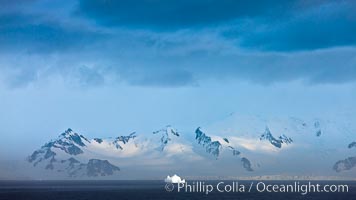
x=140, y=190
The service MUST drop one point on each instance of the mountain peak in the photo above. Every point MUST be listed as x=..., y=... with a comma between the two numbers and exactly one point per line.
x=68, y=132
x=71, y=136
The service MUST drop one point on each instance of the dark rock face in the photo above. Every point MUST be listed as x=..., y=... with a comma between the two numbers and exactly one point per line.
x=45, y=153
x=49, y=154
x=318, y=133
x=67, y=147
x=50, y=164
x=214, y=148
x=284, y=139
x=123, y=139
x=73, y=167
x=34, y=155
x=246, y=164
x=211, y=147
x=317, y=126
x=351, y=145
x=126, y=139
x=97, y=167
x=346, y=164
x=166, y=133
x=234, y=151
x=74, y=137
x=71, y=161
x=98, y=140
x=77, y=139
x=267, y=135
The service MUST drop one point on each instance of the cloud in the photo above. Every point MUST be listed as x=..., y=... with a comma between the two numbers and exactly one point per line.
x=319, y=67
x=151, y=43
x=161, y=77
x=172, y=14
x=151, y=66
x=179, y=148
x=20, y=32
x=174, y=179
x=328, y=25
x=10, y=5
x=255, y=145
x=262, y=25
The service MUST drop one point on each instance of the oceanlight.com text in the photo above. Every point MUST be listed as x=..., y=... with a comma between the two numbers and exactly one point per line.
x=261, y=187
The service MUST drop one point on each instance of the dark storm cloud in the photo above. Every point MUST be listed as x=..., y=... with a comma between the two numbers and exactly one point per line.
x=178, y=43
x=168, y=14
x=27, y=25
x=21, y=32
x=329, y=25
x=276, y=25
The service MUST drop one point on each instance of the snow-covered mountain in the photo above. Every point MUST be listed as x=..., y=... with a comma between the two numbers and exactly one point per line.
x=290, y=145
x=238, y=144
x=77, y=156
x=61, y=155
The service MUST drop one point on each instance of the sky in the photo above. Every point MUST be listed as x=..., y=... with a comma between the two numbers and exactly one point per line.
x=105, y=67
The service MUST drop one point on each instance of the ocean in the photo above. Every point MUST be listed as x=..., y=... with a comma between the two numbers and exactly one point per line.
x=157, y=190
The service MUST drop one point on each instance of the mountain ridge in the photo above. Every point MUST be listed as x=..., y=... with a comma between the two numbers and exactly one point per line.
x=247, y=143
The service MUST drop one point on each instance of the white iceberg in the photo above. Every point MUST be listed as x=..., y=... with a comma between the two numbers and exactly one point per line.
x=174, y=179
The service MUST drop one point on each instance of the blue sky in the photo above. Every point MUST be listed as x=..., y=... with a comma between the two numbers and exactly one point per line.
x=111, y=67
